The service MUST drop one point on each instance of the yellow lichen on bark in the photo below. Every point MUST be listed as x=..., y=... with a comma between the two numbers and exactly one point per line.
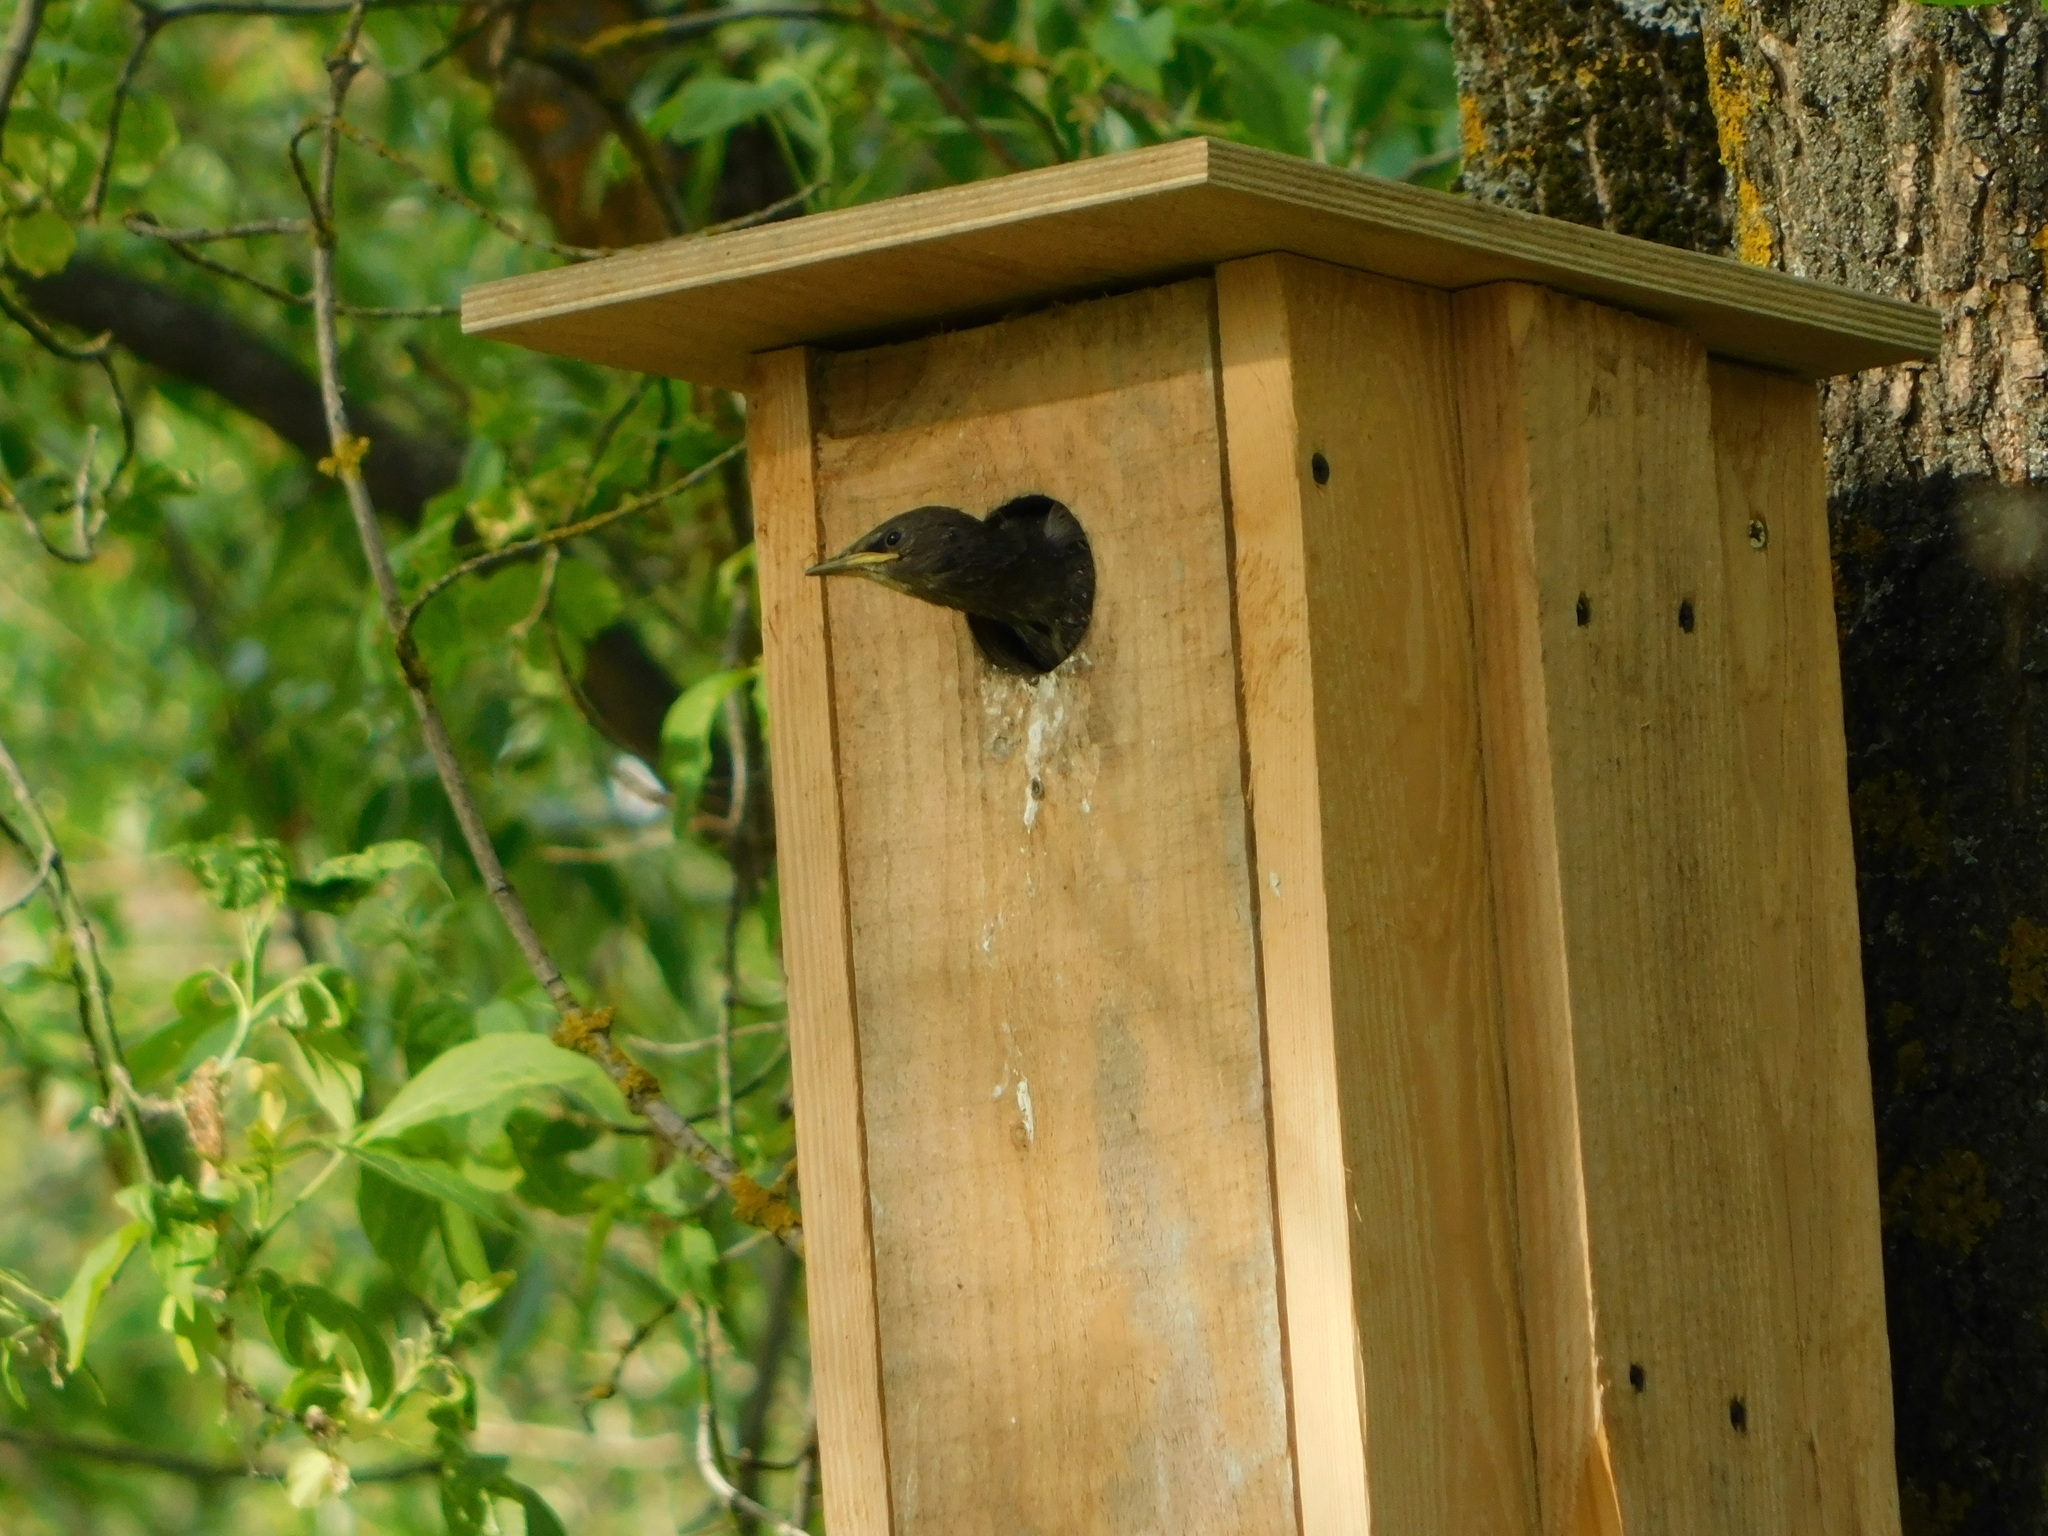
x=1736, y=94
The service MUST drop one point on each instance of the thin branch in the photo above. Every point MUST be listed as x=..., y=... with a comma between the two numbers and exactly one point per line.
x=578, y=71
x=441, y=189
x=707, y=1043
x=15, y=53
x=588, y=1032
x=270, y=290
x=44, y=865
x=609, y=1387
x=525, y=549
x=152, y=23
x=96, y=1013
x=681, y=28
x=45, y=1443
x=165, y=14
x=709, y=1457
x=889, y=27
x=143, y=224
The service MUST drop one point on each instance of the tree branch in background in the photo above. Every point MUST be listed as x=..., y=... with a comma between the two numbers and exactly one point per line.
x=95, y=1012
x=586, y=1032
x=209, y=347
x=43, y=1443
x=14, y=54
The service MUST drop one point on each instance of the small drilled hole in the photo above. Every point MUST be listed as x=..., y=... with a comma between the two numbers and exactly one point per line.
x=1759, y=533
x=1685, y=616
x=1585, y=610
x=1638, y=1377
x=1320, y=468
x=1738, y=1415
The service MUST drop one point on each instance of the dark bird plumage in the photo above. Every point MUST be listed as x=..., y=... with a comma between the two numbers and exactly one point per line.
x=1023, y=575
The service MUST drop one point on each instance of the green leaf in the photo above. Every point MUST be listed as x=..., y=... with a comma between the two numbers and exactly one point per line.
x=335, y=885
x=464, y=1245
x=343, y=1318
x=686, y=736
x=439, y=1181
x=81, y=1299
x=237, y=873
x=689, y=1264
x=713, y=104
x=543, y=1145
x=540, y=1519
x=335, y=1083
x=585, y=601
x=396, y=1219
x=483, y=1071
x=1265, y=92
x=1135, y=47
x=41, y=243
x=161, y=1052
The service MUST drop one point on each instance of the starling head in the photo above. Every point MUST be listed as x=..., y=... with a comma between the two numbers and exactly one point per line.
x=1023, y=575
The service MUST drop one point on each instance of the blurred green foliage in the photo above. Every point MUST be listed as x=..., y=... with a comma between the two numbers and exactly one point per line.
x=394, y=1252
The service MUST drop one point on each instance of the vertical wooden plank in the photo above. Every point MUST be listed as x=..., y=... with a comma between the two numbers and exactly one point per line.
x=1638, y=775
x=1056, y=987
x=1575, y=1485
x=1806, y=958
x=846, y=1385
x=1382, y=1005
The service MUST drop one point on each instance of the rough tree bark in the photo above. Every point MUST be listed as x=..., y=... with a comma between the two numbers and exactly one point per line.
x=1902, y=149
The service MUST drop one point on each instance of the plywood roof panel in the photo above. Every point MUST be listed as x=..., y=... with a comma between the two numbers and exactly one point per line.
x=698, y=308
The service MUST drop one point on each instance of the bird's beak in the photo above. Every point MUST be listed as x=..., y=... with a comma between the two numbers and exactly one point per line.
x=855, y=561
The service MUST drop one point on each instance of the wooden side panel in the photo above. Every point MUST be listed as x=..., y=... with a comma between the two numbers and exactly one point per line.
x=1064, y=1093
x=1382, y=1002
x=846, y=1384
x=1676, y=1240
x=1807, y=957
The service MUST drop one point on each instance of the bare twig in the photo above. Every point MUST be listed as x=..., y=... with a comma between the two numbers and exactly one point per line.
x=609, y=1387
x=41, y=873
x=890, y=28
x=586, y=1032
x=15, y=52
x=770, y=1351
x=95, y=1012
x=683, y=27
x=44, y=1443
x=152, y=23
x=461, y=199
x=708, y=1043
x=578, y=71
x=710, y=1458
x=270, y=290
x=143, y=224
x=511, y=554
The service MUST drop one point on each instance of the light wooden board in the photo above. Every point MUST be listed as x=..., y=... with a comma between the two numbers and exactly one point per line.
x=1064, y=1096
x=825, y=1062
x=1671, y=1092
x=1376, y=936
x=1806, y=958
x=697, y=308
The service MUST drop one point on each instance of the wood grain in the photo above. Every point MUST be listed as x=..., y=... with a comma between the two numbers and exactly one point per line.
x=1806, y=955
x=1639, y=738
x=1064, y=1096
x=1382, y=1001
x=697, y=308
x=825, y=1066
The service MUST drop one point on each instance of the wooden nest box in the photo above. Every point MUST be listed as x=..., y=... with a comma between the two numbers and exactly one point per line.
x=1374, y=1042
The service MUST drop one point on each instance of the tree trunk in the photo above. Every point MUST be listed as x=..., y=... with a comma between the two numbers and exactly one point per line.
x=1901, y=151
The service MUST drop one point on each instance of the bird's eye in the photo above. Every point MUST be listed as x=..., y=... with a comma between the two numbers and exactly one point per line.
x=892, y=538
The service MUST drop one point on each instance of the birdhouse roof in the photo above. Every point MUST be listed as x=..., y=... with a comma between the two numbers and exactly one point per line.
x=698, y=307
